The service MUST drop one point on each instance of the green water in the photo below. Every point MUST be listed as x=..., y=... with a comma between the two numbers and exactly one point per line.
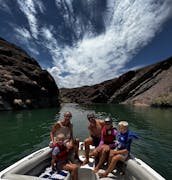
x=24, y=132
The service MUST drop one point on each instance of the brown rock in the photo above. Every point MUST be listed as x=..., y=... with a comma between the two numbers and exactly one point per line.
x=23, y=84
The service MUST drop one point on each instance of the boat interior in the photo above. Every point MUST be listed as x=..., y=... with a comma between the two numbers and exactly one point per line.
x=32, y=166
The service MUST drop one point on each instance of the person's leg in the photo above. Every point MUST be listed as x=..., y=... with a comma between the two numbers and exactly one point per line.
x=112, y=165
x=103, y=156
x=76, y=148
x=111, y=154
x=95, y=152
x=73, y=150
x=88, y=141
x=73, y=168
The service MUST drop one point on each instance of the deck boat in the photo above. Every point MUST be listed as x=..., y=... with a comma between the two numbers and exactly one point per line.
x=35, y=167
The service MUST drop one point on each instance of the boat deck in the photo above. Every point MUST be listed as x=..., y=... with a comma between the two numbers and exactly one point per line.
x=86, y=173
x=33, y=165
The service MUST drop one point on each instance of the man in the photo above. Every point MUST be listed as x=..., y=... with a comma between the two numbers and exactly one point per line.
x=94, y=127
x=122, y=149
x=65, y=127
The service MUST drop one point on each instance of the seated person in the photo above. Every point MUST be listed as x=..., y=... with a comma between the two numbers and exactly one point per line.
x=108, y=136
x=60, y=157
x=65, y=127
x=94, y=127
x=124, y=139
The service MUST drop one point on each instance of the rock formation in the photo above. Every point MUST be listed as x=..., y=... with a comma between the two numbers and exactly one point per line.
x=151, y=85
x=23, y=84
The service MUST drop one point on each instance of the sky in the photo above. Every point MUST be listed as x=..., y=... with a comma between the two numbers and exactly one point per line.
x=85, y=42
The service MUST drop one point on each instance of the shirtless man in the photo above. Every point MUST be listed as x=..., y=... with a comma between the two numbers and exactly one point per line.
x=94, y=127
x=65, y=127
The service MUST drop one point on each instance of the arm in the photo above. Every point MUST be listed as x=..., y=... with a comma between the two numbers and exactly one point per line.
x=101, y=140
x=54, y=129
x=90, y=131
x=71, y=131
x=123, y=151
x=102, y=123
x=53, y=160
x=54, y=157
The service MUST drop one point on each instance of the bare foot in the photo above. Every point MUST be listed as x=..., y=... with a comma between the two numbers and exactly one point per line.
x=86, y=161
x=102, y=174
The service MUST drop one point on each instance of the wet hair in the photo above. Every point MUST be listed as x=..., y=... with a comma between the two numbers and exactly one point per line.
x=123, y=123
x=68, y=113
x=90, y=115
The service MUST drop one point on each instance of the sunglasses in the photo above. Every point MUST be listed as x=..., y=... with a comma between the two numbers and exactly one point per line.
x=67, y=116
x=108, y=123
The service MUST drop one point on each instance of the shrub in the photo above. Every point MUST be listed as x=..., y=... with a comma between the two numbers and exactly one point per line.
x=163, y=101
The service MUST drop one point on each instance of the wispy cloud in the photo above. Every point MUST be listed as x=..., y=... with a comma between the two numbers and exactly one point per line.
x=24, y=36
x=50, y=42
x=30, y=9
x=132, y=25
x=29, y=37
x=4, y=6
x=23, y=33
x=40, y=6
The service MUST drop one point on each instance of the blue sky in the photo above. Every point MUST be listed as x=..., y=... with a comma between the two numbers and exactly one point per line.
x=85, y=42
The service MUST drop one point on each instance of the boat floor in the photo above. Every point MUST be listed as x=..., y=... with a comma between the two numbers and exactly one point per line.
x=86, y=171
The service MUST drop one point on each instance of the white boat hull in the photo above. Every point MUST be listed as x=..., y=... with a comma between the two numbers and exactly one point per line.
x=30, y=167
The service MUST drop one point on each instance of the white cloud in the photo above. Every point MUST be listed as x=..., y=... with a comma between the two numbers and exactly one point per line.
x=23, y=33
x=47, y=34
x=50, y=42
x=24, y=37
x=33, y=49
x=29, y=8
x=40, y=6
x=131, y=25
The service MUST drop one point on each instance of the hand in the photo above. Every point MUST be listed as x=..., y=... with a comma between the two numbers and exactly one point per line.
x=113, y=152
x=98, y=149
x=54, y=143
x=69, y=145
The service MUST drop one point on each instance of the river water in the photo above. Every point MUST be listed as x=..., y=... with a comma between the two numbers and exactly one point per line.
x=23, y=132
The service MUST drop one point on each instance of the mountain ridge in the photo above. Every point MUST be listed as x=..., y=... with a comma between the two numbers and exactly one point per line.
x=147, y=86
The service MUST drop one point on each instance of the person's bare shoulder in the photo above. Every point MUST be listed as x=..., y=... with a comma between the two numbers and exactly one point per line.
x=56, y=126
x=100, y=121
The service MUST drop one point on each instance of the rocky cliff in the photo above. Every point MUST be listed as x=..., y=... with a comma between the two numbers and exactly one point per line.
x=23, y=84
x=151, y=85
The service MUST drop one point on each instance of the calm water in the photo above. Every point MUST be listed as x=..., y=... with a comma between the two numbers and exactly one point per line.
x=26, y=131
